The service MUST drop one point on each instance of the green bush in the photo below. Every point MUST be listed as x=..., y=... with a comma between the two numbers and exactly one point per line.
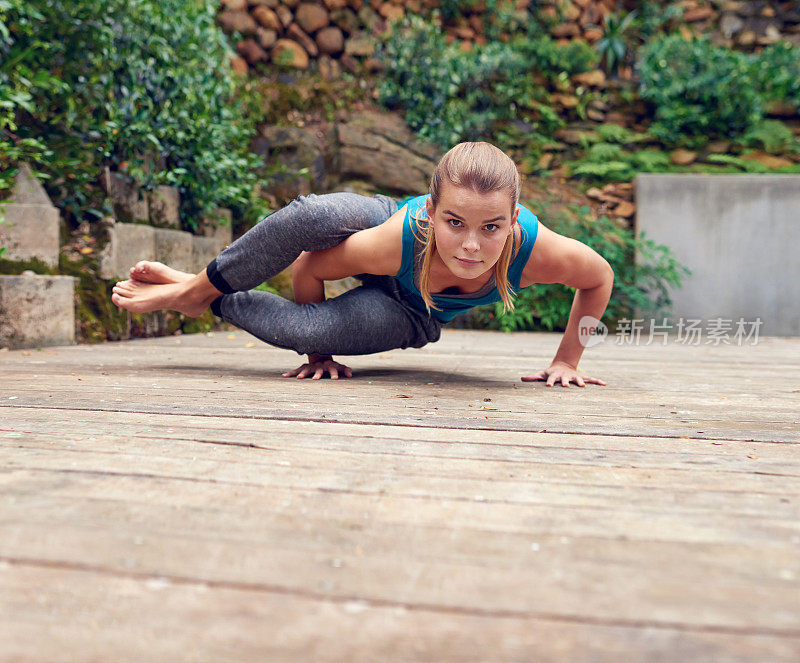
x=128, y=82
x=17, y=79
x=699, y=90
x=770, y=135
x=638, y=286
x=777, y=73
x=449, y=96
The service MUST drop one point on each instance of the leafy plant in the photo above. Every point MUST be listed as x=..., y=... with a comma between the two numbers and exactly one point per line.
x=613, y=45
x=771, y=135
x=699, y=90
x=446, y=96
x=129, y=84
x=777, y=73
x=654, y=16
x=639, y=284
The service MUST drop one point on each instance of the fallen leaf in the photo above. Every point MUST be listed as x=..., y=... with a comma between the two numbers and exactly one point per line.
x=230, y=336
x=431, y=383
x=250, y=345
x=752, y=456
x=404, y=396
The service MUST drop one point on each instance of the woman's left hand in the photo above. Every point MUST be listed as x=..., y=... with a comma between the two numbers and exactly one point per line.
x=561, y=372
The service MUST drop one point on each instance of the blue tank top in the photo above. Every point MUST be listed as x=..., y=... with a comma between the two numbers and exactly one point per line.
x=451, y=306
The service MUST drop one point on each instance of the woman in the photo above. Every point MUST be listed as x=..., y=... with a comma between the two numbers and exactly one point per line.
x=467, y=243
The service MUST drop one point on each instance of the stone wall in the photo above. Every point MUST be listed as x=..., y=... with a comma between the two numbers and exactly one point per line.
x=342, y=33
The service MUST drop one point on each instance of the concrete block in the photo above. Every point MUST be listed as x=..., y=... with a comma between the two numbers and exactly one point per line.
x=127, y=199
x=128, y=243
x=204, y=250
x=164, y=203
x=174, y=248
x=217, y=225
x=36, y=310
x=739, y=236
x=27, y=189
x=30, y=231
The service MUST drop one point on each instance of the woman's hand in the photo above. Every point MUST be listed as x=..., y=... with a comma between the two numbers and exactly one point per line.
x=559, y=371
x=318, y=365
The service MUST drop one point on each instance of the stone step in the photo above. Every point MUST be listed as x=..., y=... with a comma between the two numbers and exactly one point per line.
x=36, y=310
x=128, y=243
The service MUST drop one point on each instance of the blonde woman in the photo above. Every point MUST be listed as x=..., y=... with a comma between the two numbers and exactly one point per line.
x=467, y=242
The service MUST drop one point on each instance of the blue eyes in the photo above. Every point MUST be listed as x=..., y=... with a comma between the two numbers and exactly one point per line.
x=490, y=227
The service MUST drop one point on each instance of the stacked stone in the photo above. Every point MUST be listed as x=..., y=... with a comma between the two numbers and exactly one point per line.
x=579, y=19
x=292, y=32
x=746, y=25
x=342, y=32
x=616, y=199
x=146, y=226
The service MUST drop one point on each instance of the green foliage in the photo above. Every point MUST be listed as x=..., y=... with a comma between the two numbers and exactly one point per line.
x=16, y=81
x=498, y=15
x=606, y=162
x=741, y=165
x=613, y=46
x=551, y=61
x=128, y=82
x=770, y=135
x=605, y=152
x=603, y=171
x=639, y=285
x=699, y=90
x=448, y=97
x=613, y=133
x=777, y=73
x=652, y=16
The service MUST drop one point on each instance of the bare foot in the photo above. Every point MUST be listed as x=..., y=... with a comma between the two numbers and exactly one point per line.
x=192, y=295
x=146, y=271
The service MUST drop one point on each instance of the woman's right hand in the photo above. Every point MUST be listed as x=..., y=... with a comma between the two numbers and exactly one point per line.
x=317, y=365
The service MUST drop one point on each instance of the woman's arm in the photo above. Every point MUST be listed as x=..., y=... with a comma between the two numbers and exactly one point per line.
x=559, y=259
x=377, y=250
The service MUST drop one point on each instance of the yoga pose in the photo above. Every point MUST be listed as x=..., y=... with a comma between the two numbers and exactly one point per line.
x=467, y=243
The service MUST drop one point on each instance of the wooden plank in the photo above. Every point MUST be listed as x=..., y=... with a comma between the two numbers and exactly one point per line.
x=752, y=589
x=604, y=512
x=499, y=477
x=643, y=524
x=752, y=458
x=91, y=616
x=175, y=426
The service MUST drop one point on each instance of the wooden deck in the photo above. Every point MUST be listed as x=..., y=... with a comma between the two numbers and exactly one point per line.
x=175, y=499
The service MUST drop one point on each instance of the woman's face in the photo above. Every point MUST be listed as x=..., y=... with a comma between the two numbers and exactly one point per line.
x=471, y=229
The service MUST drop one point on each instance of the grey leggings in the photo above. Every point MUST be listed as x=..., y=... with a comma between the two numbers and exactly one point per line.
x=371, y=318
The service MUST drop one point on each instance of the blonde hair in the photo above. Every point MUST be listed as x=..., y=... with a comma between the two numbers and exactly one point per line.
x=483, y=168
